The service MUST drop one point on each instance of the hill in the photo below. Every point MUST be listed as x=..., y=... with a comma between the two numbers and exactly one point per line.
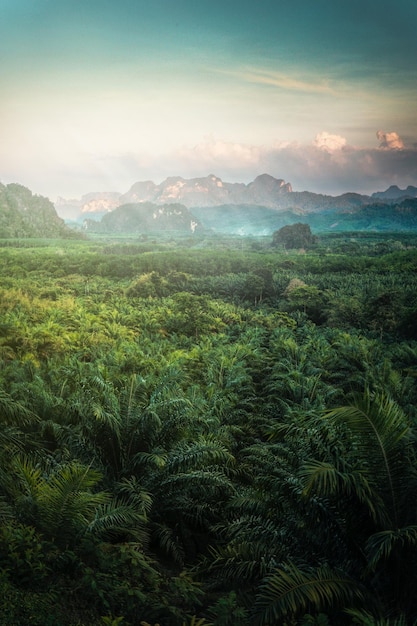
x=394, y=193
x=145, y=217
x=23, y=214
x=337, y=216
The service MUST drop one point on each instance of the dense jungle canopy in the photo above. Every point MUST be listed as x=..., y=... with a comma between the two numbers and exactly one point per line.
x=201, y=430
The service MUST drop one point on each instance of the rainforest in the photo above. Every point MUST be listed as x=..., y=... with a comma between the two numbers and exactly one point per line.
x=208, y=431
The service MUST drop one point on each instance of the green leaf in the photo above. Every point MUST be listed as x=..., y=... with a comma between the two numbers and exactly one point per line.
x=289, y=592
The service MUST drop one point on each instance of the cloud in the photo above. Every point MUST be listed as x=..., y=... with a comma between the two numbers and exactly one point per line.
x=284, y=81
x=327, y=165
x=215, y=153
x=390, y=141
x=329, y=142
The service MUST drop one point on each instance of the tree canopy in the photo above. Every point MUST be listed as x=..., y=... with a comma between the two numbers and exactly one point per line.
x=208, y=432
x=294, y=236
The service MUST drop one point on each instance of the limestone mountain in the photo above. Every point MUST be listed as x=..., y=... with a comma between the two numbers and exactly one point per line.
x=259, y=207
x=209, y=191
x=93, y=205
x=23, y=214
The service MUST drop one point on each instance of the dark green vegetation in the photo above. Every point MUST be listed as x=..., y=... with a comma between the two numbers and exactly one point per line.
x=294, y=236
x=205, y=431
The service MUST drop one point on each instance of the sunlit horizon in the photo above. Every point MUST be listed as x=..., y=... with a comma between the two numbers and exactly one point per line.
x=97, y=96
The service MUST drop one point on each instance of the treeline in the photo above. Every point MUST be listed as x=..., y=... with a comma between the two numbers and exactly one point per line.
x=196, y=436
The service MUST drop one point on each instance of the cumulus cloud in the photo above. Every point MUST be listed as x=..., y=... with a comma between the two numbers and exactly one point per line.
x=390, y=141
x=329, y=142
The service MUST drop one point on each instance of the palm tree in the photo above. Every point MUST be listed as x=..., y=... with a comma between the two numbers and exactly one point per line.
x=65, y=505
x=15, y=420
x=367, y=491
x=291, y=591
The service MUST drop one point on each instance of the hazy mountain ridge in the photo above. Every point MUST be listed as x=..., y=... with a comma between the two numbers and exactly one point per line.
x=23, y=214
x=245, y=220
x=258, y=220
x=144, y=217
x=94, y=204
x=208, y=191
x=395, y=193
x=257, y=208
x=273, y=205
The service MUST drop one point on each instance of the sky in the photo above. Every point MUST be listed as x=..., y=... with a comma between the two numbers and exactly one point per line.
x=97, y=94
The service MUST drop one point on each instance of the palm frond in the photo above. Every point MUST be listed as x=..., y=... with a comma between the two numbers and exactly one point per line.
x=13, y=413
x=289, y=592
x=381, y=433
x=376, y=418
x=201, y=453
x=238, y=563
x=67, y=500
x=116, y=517
x=169, y=542
x=211, y=480
x=326, y=480
x=108, y=418
x=140, y=499
x=6, y=511
x=380, y=545
x=29, y=478
x=156, y=459
x=364, y=618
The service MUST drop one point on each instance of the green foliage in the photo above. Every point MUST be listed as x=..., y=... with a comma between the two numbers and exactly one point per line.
x=290, y=591
x=108, y=620
x=320, y=620
x=208, y=428
x=294, y=236
x=22, y=555
x=227, y=611
x=23, y=214
x=18, y=607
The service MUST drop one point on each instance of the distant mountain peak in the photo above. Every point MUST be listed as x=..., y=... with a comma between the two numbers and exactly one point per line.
x=395, y=193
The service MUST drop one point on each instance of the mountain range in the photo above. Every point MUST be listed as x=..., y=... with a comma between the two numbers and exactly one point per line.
x=257, y=208
x=198, y=204
x=209, y=191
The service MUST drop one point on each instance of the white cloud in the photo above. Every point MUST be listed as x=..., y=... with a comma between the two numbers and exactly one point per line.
x=329, y=142
x=390, y=141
